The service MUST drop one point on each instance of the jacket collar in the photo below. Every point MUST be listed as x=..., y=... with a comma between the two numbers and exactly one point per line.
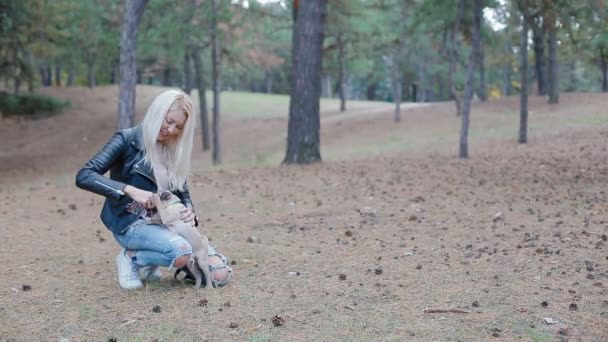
x=138, y=142
x=138, y=137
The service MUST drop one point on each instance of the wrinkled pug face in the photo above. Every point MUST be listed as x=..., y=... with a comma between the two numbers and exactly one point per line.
x=166, y=195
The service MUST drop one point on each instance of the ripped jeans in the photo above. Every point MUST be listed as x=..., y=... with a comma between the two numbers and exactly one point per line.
x=155, y=245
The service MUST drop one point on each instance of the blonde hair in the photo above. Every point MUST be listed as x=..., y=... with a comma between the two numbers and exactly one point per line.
x=176, y=153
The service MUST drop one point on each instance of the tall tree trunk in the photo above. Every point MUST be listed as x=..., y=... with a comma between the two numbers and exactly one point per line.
x=604, y=69
x=30, y=75
x=573, y=84
x=341, y=72
x=453, y=56
x=91, y=72
x=166, y=78
x=523, y=95
x=482, y=87
x=538, y=38
x=57, y=75
x=187, y=72
x=468, y=87
x=394, y=73
x=215, y=81
x=268, y=82
x=202, y=98
x=71, y=76
x=128, y=72
x=553, y=77
x=422, y=79
x=370, y=91
x=507, y=87
x=303, y=141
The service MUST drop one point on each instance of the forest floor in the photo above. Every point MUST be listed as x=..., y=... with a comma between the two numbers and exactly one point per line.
x=512, y=242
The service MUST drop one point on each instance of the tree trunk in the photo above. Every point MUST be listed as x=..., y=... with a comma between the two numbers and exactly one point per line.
x=604, y=70
x=215, y=74
x=422, y=79
x=538, y=38
x=573, y=84
x=128, y=72
x=393, y=70
x=166, y=79
x=91, y=72
x=553, y=77
x=71, y=76
x=341, y=72
x=202, y=98
x=453, y=56
x=468, y=87
x=370, y=91
x=268, y=82
x=507, y=87
x=303, y=141
x=523, y=95
x=57, y=75
x=482, y=87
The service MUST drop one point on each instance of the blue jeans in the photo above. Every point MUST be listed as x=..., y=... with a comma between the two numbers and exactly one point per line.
x=154, y=245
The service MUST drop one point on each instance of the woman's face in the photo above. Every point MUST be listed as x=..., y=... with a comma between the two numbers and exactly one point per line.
x=172, y=126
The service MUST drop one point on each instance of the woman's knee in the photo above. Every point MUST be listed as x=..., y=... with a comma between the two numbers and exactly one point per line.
x=182, y=260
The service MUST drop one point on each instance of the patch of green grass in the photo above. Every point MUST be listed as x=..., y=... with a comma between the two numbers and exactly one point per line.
x=244, y=106
x=539, y=336
x=86, y=313
x=259, y=337
x=590, y=120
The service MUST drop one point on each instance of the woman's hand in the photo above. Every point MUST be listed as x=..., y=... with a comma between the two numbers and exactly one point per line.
x=187, y=215
x=140, y=196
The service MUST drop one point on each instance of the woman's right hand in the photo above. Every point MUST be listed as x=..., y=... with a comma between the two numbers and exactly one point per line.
x=140, y=196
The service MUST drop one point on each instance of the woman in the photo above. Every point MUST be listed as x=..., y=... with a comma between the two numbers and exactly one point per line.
x=142, y=160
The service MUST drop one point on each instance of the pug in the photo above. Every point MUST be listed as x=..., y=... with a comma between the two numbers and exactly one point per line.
x=169, y=207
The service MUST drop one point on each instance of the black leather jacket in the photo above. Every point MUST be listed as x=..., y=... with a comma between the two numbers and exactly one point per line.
x=123, y=156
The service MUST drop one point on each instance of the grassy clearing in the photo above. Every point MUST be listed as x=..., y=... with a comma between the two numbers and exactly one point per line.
x=244, y=106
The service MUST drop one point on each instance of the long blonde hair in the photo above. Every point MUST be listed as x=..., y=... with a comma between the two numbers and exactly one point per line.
x=176, y=154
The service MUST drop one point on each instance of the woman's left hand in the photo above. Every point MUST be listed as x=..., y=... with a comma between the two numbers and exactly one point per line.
x=187, y=215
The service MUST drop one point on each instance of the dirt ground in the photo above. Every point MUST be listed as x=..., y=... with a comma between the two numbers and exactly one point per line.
x=356, y=248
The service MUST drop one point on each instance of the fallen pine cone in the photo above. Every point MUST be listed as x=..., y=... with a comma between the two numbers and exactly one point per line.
x=278, y=321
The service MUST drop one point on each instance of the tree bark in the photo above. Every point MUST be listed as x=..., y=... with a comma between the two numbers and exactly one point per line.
x=422, y=79
x=268, y=82
x=303, y=138
x=538, y=38
x=453, y=56
x=57, y=75
x=523, y=95
x=128, y=74
x=507, y=88
x=573, y=84
x=482, y=87
x=394, y=73
x=187, y=71
x=553, y=78
x=341, y=73
x=215, y=81
x=91, y=72
x=604, y=69
x=202, y=98
x=468, y=87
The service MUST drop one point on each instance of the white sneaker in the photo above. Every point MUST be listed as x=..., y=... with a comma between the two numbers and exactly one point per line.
x=152, y=273
x=128, y=272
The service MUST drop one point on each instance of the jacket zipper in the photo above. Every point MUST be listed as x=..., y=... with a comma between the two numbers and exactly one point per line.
x=120, y=192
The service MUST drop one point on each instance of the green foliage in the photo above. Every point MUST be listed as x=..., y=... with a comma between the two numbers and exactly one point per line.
x=30, y=105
